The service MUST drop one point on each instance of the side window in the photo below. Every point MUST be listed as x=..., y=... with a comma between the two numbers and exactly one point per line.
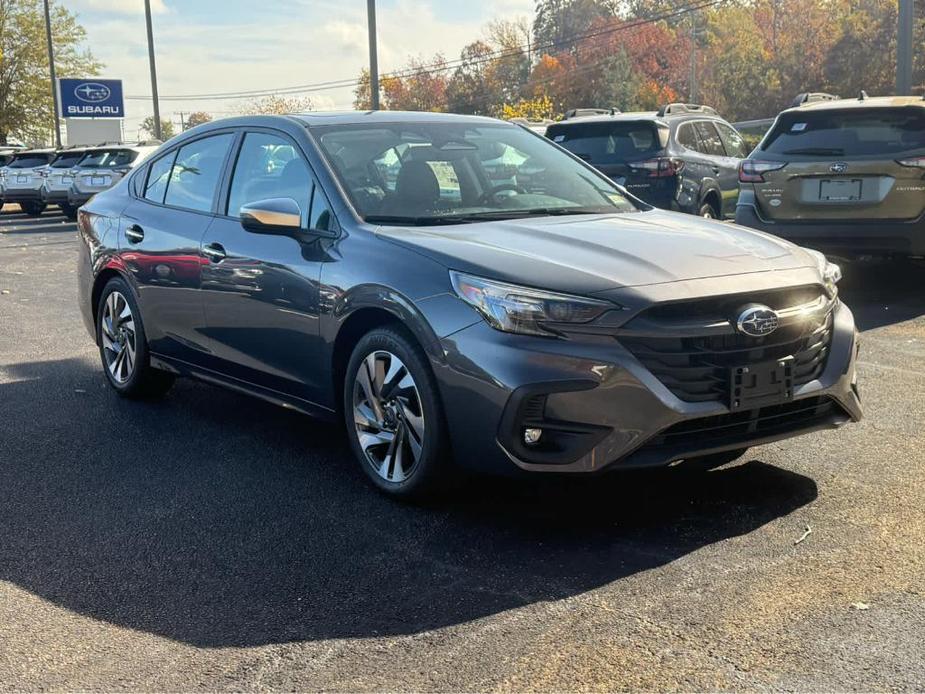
x=196, y=172
x=158, y=173
x=734, y=143
x=712, y=144
x=321, y=218
x=688, y=138
x=269, y=166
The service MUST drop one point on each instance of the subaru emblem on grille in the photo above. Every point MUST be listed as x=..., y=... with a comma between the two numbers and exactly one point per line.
x=838, y=167
x=757, y=320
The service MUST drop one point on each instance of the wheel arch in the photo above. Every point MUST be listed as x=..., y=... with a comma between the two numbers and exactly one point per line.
x=99, y=283
x=711, y=196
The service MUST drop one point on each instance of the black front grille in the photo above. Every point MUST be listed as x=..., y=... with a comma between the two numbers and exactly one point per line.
x=697, y=369
x=716, y=430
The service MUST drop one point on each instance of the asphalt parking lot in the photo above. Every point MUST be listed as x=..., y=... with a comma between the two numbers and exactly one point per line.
x=210, y=541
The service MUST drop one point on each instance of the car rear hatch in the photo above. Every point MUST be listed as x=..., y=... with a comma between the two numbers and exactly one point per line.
x=616, y=148
x=851, y=165
x=100, y=169
x=21, y=172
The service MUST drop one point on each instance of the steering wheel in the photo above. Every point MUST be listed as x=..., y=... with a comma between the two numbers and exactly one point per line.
x=489, y=195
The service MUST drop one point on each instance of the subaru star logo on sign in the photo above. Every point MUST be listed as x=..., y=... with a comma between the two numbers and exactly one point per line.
x=91, y=98
x=838, y=167
x=757, y=321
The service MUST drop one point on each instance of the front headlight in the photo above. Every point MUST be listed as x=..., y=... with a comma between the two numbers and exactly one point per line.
x=522, y=310
x=831, y=273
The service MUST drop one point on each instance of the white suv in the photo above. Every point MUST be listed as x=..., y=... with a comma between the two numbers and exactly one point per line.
x=103, y=166
x=23, y=178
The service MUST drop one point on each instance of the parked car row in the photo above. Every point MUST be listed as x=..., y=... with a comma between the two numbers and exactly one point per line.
x=845, y=176
x=66, y=177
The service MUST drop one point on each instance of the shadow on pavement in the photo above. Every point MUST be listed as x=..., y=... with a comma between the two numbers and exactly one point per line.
x=218, y=520
x=885, y=293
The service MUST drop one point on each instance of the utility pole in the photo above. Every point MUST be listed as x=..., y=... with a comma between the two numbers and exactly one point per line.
x=54, y=81
x=373, y=56
x=693, y=76
x=157, y=108
x=904, y=49
x=182, y=115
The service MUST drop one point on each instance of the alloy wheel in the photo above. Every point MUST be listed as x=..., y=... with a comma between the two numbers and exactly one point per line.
x=119, y=339
x=389, y=416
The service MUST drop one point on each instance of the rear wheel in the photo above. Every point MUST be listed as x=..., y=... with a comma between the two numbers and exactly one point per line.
x=707, y=210
x=124, y=346
x=394, y=416
x=33, y=209
x=69, y=211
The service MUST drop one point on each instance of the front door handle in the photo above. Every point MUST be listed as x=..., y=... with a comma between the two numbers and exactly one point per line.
x=135, y=234
x=214, y=252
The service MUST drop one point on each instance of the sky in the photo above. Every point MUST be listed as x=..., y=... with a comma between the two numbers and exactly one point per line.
x=213, y=46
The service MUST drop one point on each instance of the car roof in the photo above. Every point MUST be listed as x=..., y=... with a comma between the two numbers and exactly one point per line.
x=611, y=118
x=858, y=103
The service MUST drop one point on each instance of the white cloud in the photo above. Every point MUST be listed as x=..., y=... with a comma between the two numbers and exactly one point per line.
x=118, y=6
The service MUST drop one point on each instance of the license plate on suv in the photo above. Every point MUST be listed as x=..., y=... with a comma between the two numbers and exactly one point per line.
x=99, y=180
x=762, y=384
x=840, y=190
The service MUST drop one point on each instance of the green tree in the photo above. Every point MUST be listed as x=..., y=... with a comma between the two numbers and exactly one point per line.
x=278, y=105
x=167, y=129
x=26, y=109
x=469, y=90
x=557, y=22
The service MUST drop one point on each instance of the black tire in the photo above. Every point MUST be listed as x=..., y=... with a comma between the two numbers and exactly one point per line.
x=707, y=210
x=430, y=471
x=142, y=381
x=69, y=211
x=33, y=209
x=705, y=463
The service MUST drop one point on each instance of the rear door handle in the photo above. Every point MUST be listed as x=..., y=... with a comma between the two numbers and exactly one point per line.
x=716, y=170
x=214, y=252
x=135, y=234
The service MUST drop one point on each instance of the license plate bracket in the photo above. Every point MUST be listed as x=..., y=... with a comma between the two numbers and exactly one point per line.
x=840, y=190
x=99, y=180
x=757, y=385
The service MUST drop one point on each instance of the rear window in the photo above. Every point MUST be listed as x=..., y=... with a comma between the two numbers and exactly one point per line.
x=66, y=160
x=28, y=161
x=107, y=159
x=609, y=143
x=846, y=133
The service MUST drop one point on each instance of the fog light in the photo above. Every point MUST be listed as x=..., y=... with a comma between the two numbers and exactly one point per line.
x=532, y=436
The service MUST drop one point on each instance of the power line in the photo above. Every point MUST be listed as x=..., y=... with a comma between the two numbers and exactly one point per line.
x=435, y=68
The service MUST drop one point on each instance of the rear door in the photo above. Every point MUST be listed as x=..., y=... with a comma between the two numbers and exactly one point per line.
x=857, y=164
x=736, y=151
x=160, y=234
x=724, y=168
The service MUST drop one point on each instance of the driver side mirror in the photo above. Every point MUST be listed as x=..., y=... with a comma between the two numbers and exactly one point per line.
x=272, y=216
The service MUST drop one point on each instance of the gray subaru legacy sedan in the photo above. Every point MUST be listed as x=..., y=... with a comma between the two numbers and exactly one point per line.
x=461, y=293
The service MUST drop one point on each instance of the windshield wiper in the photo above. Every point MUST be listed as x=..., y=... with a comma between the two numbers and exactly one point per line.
x=412, y=221
x=820, y=151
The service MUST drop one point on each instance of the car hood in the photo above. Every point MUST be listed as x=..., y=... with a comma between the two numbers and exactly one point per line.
x=587, y=254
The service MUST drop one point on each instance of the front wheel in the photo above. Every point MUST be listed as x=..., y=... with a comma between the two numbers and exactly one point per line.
x=69, y=211
x=124, y=346
x=394, y=416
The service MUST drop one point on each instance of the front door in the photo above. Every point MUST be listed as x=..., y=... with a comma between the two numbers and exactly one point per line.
x=260, y=290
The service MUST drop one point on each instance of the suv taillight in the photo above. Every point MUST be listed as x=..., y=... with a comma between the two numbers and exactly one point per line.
x=660, y=167
x=917, y=162
x=753, y=170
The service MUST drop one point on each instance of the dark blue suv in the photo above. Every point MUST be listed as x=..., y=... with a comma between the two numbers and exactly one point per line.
x=683, y=157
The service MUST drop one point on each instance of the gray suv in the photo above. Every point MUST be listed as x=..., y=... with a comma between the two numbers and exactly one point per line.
x=683, y=157
x=547, y=323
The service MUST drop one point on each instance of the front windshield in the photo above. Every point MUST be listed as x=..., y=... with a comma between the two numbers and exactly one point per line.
x=439, y=173
x=107, y=159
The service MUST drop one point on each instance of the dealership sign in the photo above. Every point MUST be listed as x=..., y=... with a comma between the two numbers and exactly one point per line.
x=91, y=98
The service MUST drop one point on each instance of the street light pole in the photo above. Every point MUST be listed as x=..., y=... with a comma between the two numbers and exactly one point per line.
x=904, y=49
x=373, y=56
x=157, y=108
x=54, y=81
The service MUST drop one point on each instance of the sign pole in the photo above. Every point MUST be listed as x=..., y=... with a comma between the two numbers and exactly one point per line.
x=157, y=109
x=373, y=56
x=904, y=48
x=54, y=81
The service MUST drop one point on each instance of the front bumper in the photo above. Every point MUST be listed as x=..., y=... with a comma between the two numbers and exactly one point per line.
x=905, y=238
x=606, y=410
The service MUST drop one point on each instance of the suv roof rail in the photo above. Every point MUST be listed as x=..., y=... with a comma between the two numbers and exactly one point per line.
x=676, y=108
x=585, y=112
x=809, y=97
x=520, y=120
x=862, y=96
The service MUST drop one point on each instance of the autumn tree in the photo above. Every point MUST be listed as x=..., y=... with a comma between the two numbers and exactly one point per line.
x=197, y=118
x=26, y=109
x=277, y=105
x=558, y=22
